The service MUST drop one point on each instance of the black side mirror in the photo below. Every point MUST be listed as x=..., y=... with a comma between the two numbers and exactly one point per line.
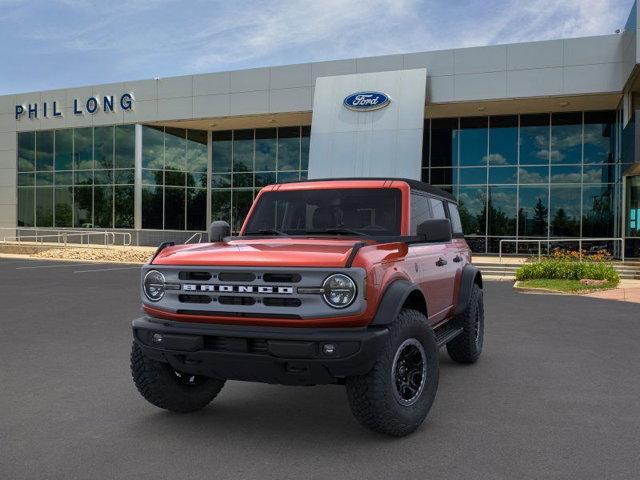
x=218, y=230
x=435, y=230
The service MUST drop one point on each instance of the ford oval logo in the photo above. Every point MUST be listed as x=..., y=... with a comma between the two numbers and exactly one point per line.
x=366, y=101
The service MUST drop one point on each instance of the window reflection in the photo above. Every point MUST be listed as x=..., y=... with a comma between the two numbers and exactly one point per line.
x=471, y=204
x=598, y=137
x=473, y=141
x=566, y=138
x=533, y=212
x=565, y=211
x=501, y=210
x=534, y=139
x=503, y=141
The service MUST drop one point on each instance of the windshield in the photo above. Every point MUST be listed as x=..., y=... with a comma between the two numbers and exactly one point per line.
x=355, y=212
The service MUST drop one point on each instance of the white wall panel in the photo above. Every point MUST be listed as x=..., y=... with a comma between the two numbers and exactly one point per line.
x=384, y=142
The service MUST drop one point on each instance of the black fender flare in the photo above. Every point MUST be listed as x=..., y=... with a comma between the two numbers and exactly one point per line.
x=470, y=275
x=392, y=300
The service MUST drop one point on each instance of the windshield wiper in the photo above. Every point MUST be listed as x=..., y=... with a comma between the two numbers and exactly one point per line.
x=337, y=231
x=267, y=231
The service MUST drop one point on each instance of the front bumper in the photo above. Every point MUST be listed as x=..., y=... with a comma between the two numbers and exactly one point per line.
x=289, y=356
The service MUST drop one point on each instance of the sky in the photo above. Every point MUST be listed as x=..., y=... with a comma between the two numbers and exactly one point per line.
x=48, y=44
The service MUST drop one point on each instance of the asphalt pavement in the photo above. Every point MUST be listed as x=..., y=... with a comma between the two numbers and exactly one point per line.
x=555, y=395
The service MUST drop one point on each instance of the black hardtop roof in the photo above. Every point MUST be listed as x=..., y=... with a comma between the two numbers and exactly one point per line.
x=414, y=184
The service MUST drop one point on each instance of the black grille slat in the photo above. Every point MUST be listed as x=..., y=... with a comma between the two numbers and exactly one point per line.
x=201, y=299
x=226, y=300
x=281, y=302
x=282, y=277
x=196, y=276
x=237, y=277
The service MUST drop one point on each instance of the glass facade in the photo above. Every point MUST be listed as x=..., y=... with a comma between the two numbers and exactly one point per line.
x=77, y=177
x=243, y=161
x=535, y=176
x=85, y=177
x=538, y=176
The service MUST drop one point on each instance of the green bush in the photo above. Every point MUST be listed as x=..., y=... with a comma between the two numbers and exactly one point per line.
x=558, y=269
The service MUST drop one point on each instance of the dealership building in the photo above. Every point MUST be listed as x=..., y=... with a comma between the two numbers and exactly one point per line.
x=538, y=141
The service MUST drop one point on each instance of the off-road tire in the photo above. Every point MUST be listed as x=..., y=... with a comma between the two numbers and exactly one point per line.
x=371, y=396
x=158, y=384
x=467, y=347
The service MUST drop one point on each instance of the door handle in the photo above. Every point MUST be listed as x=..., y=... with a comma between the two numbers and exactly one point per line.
x=441, y=262
x=457, y=258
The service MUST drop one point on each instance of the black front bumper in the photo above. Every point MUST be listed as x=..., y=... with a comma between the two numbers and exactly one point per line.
x=289, y=356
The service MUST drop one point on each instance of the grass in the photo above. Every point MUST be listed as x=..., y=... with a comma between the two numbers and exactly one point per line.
x=563, y=285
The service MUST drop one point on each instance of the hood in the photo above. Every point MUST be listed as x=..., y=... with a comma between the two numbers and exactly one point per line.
x=264, y=252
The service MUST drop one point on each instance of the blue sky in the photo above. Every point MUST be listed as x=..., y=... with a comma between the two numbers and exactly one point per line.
x=46, y=44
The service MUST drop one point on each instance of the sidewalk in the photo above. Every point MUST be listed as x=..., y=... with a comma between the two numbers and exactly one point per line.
x=627, y=291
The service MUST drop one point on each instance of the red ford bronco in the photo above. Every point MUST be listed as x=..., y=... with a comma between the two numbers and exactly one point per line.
x=356, y=282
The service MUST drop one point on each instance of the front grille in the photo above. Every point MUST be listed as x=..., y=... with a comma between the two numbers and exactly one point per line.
x=243, y=292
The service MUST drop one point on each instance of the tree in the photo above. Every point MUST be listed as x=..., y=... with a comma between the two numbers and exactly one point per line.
x=540, y=219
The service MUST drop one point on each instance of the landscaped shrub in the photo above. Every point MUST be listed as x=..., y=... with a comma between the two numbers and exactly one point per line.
x=568, y=270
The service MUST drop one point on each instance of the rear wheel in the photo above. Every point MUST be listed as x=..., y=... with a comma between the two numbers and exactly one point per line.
x=165, y=387
x=396, y=395
x=467, y=347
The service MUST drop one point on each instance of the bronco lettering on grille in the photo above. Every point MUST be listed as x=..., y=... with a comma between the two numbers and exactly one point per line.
x=260, y=289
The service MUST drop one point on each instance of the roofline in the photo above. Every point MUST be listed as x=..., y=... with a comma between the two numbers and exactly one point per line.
x=413, y=184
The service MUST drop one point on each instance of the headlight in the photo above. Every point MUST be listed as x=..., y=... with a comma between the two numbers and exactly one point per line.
x=153, y=285
x=339, y=291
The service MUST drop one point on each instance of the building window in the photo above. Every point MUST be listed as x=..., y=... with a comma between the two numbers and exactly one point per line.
x=80, y=177
x=174, y=178
x=243, y=161
x=541, y=176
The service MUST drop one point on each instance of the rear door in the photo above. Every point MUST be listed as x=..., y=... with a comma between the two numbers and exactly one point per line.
x=448, y=261
x=431, y=266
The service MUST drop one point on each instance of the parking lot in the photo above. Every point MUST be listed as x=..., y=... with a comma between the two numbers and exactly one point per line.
x=555, y=395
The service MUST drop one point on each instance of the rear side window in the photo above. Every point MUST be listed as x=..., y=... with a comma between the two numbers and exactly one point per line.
x=420, y=211
x=454, y=215
x=437, y=208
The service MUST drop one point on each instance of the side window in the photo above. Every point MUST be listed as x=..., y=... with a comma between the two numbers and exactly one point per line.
x=420, y=211
x=437, y=208
x=456, y=223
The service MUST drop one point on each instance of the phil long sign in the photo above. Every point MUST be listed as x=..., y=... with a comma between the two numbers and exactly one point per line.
x=91, y=105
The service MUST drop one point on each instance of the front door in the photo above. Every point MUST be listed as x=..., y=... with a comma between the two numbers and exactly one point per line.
x=632, y=215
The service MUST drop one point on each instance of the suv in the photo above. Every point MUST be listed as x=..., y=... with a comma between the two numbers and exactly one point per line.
x=356, y=282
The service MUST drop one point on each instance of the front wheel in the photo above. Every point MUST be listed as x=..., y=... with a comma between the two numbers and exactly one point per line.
x=167, y=388
x=396, y=395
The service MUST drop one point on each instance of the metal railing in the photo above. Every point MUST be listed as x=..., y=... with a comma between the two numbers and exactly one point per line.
x=197, y=235
x=549, y=242
x=69, y=237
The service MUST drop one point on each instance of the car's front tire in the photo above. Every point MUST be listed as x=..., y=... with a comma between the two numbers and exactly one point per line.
x=396, y=395
x=167, y=388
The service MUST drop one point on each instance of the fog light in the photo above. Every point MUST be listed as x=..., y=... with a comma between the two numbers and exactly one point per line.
x=157, y=338
x=328, y=348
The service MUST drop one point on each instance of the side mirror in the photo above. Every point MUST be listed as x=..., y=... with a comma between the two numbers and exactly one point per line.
x=218, y=230
x=435, y=230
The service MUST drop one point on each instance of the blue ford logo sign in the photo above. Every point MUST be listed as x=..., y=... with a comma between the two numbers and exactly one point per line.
x=366, y=101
